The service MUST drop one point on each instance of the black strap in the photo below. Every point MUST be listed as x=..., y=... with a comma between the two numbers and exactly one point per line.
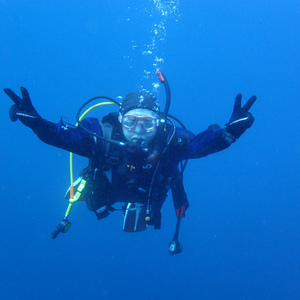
x=107, y=130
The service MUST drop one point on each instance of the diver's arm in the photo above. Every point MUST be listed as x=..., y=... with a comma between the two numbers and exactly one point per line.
x=215, y=138
x=212, y=140
x=71, y=138
x=60, y=135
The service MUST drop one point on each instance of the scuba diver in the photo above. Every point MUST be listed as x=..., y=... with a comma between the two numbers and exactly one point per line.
x=135, y=155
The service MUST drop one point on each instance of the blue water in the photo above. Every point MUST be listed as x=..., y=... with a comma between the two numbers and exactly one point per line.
x=241, y=233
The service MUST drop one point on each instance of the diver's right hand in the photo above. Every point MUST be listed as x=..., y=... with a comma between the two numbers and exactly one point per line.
x=23, y=108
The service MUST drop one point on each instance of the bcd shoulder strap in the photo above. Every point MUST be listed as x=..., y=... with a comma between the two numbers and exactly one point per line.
x=107, y=130
x=111, y=129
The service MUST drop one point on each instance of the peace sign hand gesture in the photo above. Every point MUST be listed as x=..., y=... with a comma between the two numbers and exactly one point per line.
x=23, y=108
x=241, y=119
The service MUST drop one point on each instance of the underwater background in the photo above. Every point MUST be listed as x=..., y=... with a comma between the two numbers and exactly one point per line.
x=240, y=235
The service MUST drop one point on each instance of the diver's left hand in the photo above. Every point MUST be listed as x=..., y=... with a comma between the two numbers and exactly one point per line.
x=241, y=119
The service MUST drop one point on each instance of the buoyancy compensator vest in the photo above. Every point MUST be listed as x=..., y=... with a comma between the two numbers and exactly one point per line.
x=95, y=186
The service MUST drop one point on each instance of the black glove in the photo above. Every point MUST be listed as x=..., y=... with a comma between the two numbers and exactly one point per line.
x=23, y=108
x=240, y=119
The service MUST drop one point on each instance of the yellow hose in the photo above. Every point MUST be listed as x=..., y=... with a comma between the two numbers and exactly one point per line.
x=71, y=200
